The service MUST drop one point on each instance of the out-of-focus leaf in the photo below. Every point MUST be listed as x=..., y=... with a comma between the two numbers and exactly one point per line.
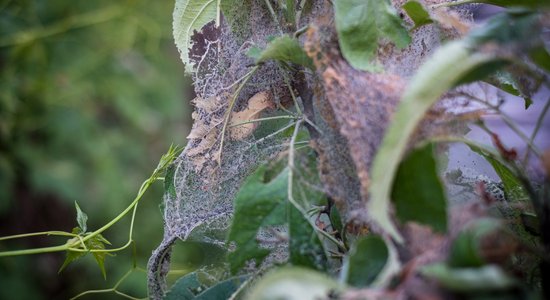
x=447, y=67
x=517, y=3
x=81, y=218
x=417, y=13
x=541, y=57
x=257, y=205
x=464, y=251
x=418, y=193
x=485, y=278
x=222, y=290
x=362, y=24
x=482, y=71
x=284, y=49
x=365, y=260
x=513, y=188
x=531, y=223
x=513, y=27
x=185, y=288
x=506, y=82
x=189, y=16
x=305, y=247
x=293, y=283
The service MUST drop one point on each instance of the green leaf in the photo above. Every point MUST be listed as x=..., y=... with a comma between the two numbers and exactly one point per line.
x=541, y=58
x=293, y=283
x=464, y=251
x=508, y=83
x=190, y=15
x=257, y=205
x=185, y=288
x=447, y=66
x=285, y=49
x=418, y=193
x=513, y=189
x=485, y=278
x=520, y=27
x=222, y=290
x=362, y=25
x=81, y=218
x=98, y=243
x=305, y=247
x=365, y=261
x=70, y=257
x=417, y=13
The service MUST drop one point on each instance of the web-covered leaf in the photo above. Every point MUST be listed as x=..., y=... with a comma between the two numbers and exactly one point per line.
x=185, y=288
x=285, y=49
x=257, y=205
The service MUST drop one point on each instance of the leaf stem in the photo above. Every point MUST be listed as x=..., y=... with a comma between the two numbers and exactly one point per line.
x=262, y=119
x=454, y=3
x=230, y=109
x=537, y=127
x=274, y=16
x=24, y=235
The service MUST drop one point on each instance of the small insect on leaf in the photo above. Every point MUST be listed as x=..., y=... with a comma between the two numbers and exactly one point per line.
x=81, y=218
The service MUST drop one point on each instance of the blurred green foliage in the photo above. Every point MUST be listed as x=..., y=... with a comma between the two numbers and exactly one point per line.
x=91, y=94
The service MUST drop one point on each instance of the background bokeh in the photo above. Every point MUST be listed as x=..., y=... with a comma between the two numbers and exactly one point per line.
x=92, y=93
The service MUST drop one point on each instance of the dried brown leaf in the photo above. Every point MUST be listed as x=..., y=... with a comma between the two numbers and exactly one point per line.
x=256, y=105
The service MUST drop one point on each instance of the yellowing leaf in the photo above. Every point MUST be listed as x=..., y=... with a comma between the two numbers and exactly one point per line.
x=258, y=103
